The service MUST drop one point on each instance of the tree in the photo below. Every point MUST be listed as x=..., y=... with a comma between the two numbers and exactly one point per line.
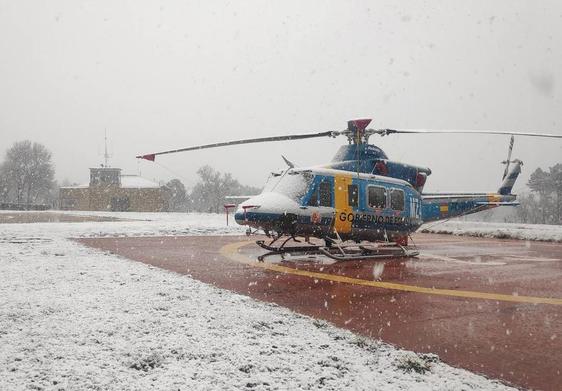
x=528, y=210
x=555, y=179
x=28, y=173
x=209, y=193
x=178, y=196
x=4, y=184
x=540, y=182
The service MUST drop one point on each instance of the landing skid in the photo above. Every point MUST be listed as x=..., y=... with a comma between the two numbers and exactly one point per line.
x=363, y=253
x=341, y=252
x=302, y=250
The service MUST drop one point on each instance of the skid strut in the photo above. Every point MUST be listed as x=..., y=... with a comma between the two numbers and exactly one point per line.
x=303, y=250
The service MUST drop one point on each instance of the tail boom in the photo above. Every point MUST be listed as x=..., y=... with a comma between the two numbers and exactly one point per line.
x=446, y=206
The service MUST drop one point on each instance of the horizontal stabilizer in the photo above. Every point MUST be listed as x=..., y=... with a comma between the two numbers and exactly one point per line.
x=448, y=205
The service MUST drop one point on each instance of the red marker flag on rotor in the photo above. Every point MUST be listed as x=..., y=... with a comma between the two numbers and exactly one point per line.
x=150, y=157
x=360, y=123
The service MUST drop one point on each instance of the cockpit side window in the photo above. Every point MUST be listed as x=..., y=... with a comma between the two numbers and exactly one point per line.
x=313, y=201
x=325, y=194
x=322, y=194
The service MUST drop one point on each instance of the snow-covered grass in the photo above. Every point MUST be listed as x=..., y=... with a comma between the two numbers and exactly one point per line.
x=137, y=224
x=73, y=318
x=541, y=232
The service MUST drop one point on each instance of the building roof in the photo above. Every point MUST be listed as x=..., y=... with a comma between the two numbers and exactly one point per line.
x=127, y=182
x=137, y=182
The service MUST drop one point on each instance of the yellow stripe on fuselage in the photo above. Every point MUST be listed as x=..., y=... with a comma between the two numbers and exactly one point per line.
x=342, y=223
x=494, y=197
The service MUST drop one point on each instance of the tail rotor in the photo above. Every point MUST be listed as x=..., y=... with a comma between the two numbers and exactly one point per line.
x=508, y=160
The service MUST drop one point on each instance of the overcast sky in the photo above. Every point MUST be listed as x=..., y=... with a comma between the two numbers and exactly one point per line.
x=170, y=74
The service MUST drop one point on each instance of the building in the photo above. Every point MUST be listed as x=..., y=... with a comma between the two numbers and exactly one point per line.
x=109, y=190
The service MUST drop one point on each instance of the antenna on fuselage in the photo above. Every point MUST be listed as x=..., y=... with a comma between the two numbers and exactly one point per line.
x=288, y=162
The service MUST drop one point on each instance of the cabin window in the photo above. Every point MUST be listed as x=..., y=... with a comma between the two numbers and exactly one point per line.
x=377, y=197
x=325, y=193
x=397, y=199
x=353, y=195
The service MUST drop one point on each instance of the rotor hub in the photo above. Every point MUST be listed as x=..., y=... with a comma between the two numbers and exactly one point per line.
x=356, y=131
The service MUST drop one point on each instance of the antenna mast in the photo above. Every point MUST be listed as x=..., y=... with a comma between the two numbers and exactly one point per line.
x=106, y=154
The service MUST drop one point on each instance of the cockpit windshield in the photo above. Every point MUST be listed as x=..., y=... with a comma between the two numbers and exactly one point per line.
x=293, y=184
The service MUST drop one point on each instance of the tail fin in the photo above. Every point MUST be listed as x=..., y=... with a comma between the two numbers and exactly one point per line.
x=511, y=177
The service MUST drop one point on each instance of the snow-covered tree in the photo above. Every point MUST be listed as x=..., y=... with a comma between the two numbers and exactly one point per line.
x=539, y=182
x=208, y=195
x=178, y=196
x=28, y=173
x=555, y=176
x=4, y=184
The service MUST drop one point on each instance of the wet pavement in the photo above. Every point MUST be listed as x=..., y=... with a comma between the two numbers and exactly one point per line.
x=49, y=217
x=489, y=306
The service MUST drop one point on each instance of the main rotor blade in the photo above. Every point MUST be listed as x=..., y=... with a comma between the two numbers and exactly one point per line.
x=385, y=132
x=152, y=156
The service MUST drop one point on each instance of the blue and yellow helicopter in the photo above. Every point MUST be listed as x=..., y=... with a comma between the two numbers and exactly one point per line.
x=362, y=205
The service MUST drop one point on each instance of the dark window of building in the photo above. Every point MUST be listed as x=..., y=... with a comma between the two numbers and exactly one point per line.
x=397, y=199
x=325, y=192
x=377, y=197
x=353, y=195
x=68, y=203
x=119, y=204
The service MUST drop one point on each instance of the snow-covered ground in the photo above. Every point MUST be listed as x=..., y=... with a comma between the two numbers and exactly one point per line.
x=551, y=233
x=73, y=318
x=138, y=224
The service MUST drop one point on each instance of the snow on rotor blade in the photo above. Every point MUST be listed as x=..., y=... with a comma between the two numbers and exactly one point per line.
x=444, y=131
x=152, y=156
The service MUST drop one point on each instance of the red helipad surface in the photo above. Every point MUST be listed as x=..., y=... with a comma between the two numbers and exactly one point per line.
x=490, y=306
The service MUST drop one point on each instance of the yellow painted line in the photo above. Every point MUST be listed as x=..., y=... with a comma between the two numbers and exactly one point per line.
x=231, y=251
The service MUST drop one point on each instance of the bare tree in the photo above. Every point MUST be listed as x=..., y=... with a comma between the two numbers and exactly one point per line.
x=28, y=173
x=209, y=193
x=4, y=184
x=178, y=196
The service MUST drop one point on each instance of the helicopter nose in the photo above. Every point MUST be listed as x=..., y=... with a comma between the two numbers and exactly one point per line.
x=260, y=210
x=241, y=214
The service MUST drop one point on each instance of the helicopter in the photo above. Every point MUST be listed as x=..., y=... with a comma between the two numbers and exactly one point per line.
x=362, y=205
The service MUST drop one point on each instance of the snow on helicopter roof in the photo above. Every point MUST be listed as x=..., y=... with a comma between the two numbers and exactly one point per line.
x=322, y=170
